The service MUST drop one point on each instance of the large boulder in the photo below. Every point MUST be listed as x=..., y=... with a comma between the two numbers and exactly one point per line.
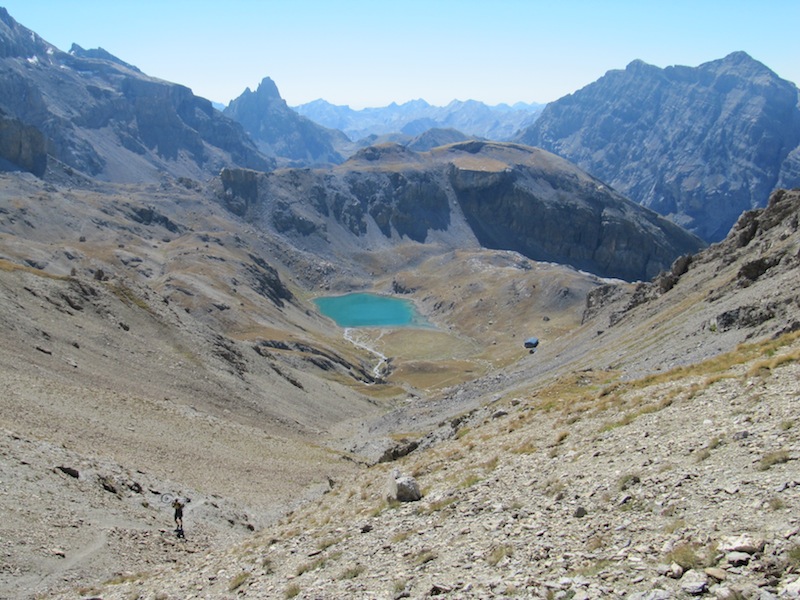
x=402, y=488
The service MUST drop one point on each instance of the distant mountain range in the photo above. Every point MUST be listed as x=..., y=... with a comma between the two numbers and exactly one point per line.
x=87, y=115
x=473, y=118
x=699, y=145
x=320, y=133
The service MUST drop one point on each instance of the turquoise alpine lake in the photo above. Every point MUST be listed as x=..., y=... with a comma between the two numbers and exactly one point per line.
x=369, y=310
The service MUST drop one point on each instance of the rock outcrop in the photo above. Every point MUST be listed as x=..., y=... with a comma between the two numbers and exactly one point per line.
x=22, y=146
x=698, y=145
x=762, y=246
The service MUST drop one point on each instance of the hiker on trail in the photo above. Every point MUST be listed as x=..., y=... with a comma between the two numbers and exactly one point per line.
x=178, y=506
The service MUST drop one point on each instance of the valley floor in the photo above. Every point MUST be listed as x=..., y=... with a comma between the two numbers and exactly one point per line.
x=679, y=485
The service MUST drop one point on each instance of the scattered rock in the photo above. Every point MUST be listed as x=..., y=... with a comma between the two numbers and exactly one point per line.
x=675, y=571
x=69, y=471
x=741, y=543
x=651, y=595
x=790, y=590
x=438, y=589
x=716, y=573
x=737, y=559
x=694, y=582
x=107, y=484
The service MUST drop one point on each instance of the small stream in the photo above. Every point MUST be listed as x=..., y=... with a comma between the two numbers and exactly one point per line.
x=376, y=371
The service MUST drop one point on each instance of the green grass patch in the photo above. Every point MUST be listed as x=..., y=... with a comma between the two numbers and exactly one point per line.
x=328, y=542
x=470, y=480
x=438, y=505
x=401, y=536
x=317, y=563
x=793, y=556
x=8, y=266
x=128, y=296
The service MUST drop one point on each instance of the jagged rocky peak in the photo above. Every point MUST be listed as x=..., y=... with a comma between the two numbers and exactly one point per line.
x=267, y=90
x=101, y=54
x=279, y=131
x=742, y=64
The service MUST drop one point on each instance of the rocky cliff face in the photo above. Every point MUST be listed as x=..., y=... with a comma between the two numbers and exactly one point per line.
x=281, y=132
x=699, y=145
x=22, y=147
x=104, y=118
x=503, y=196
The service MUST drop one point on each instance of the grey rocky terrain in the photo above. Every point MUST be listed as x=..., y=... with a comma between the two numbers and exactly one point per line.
x=103, y=117
x=640, y=450
x=159, y=340
x=649, y=453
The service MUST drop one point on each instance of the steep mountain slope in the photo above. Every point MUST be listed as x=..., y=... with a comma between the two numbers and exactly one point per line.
x=95, y=114
x=280, y=132
x=503, y=196
x=698, y=145
x=471, y=117
x=153, y=344
x=149, y=348
x=575, y=478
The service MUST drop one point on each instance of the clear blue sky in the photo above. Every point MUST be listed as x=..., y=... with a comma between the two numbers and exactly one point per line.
x=373, y=52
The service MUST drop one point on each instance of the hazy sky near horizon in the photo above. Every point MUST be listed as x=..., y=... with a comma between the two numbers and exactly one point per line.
x=370, y=53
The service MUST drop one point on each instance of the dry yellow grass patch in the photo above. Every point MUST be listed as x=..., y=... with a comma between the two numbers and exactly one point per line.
x=8, y=266
x=480, y=163
x=436, y=375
